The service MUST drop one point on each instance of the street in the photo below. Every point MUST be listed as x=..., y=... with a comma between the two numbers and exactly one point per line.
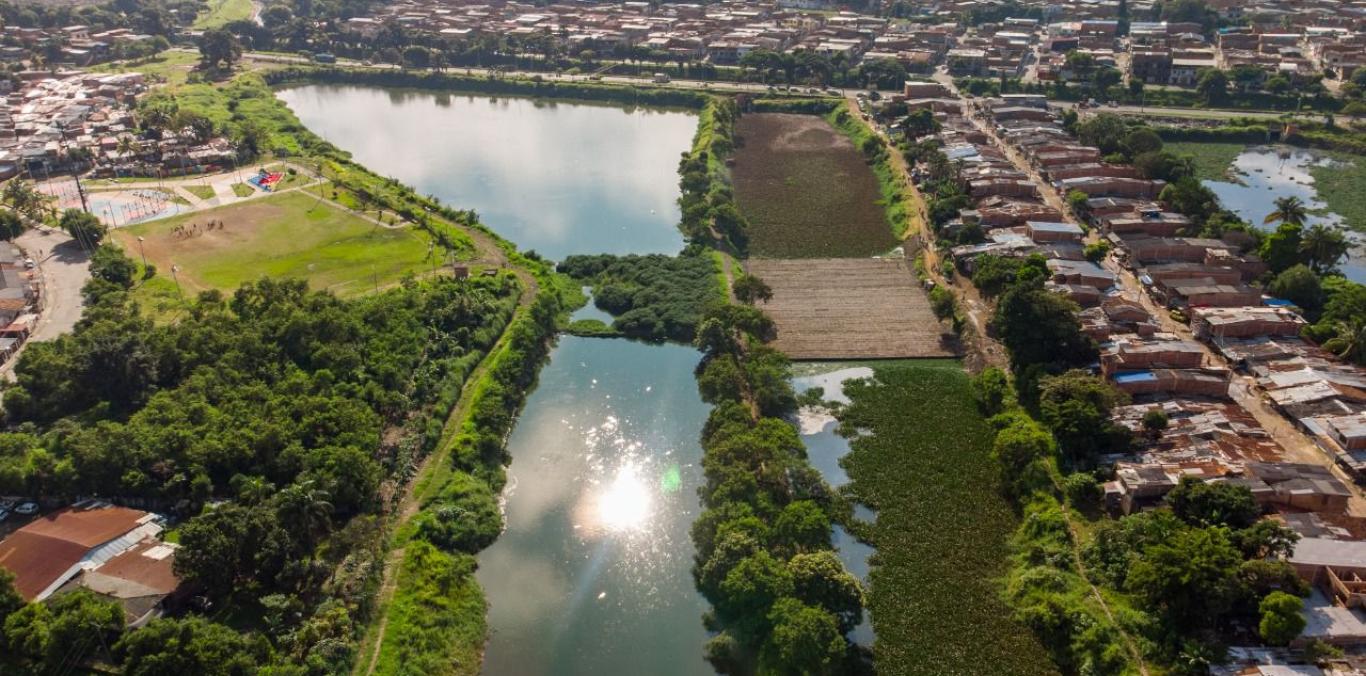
x=63, y=268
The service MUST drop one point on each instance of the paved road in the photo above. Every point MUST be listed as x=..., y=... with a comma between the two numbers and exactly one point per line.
x=63, y=268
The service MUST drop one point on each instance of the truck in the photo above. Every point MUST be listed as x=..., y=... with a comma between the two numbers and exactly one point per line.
x=661, y=78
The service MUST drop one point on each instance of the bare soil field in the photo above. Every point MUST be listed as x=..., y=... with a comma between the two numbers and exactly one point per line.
x=806, y=190
x=849, y=308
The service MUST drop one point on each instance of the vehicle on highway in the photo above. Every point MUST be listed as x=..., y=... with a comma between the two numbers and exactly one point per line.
x=27, y=508
x=661, y=78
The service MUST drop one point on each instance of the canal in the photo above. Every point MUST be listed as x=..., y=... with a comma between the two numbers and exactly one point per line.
x=557, y=177
x=593, y=572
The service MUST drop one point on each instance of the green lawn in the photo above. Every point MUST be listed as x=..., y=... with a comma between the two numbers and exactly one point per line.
x=290, y=235
x=923, y=461
x=175, y=67
x=1212, y=159
x=1341, y=187
x=243, y=190
x=204, y=192
x=223, y=12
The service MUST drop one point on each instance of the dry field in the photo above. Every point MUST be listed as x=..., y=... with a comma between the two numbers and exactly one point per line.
x=849, y=308
x=806, y=190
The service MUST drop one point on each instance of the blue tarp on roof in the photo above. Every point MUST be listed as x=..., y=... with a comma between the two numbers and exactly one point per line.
x=1135, y=377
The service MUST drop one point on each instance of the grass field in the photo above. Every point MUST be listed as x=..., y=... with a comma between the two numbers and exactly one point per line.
x=174, y=67
x=943, y=527
x=222, y=12
x=1341, y=187
x=204, y=192
x=1212, y=159
x=806, y=190
x=290, y=235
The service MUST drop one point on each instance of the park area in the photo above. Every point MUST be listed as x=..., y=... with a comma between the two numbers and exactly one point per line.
x=292, y=235
x=849, y=308
x=806, y=190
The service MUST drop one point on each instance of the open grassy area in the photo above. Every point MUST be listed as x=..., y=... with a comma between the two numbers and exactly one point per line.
x=806, y=190
x=1212, y=158
x=1341, y=185
x=290, y=235
x=173, y=67
x=222, y=12
x=943, y=527
x=243, y=190
x=204, y=192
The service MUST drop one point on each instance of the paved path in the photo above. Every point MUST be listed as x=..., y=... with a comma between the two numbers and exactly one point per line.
x=63, y=268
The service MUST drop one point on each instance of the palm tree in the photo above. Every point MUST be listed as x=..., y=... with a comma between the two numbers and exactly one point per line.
x=26, y=200
x=1350, y=341
x=1288, y=210
x=1324, y=246
x=304, y=509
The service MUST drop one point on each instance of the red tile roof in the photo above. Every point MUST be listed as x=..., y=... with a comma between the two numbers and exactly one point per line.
x=41, y=551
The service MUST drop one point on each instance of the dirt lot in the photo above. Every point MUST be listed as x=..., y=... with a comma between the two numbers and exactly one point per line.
x=806, y=190
x=849, y=308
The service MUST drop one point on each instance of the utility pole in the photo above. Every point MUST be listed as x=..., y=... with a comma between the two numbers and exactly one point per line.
x=141, y=239
x=174, y=270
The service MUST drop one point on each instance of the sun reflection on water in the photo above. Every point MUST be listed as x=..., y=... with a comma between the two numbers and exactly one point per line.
x=626, y=502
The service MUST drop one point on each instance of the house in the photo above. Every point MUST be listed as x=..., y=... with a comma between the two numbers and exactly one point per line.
x=1044, y=231
x=52, y=549
x=1245, y=322
x=141, y=580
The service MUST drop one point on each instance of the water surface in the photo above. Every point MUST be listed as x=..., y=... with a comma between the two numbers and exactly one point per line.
x=556, y=177
x=1266, y=173
x=593, y=574
x=824, y=448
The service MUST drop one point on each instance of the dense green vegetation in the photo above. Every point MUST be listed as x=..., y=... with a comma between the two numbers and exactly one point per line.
x=782, y=600
x=654, y=297
x=943, y=527
x=296, y=406
x=707, y=202
x=1339, y=186
x=1212, y=159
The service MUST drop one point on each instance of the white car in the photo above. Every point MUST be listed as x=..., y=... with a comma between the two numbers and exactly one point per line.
x=27, y=508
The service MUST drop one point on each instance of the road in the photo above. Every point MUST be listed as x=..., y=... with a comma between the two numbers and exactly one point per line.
x=63, y=268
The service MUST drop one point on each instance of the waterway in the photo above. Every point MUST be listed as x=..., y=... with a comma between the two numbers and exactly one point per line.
x=1265, y=173
x=593, y=574
x=824, y=449
x=556, y=177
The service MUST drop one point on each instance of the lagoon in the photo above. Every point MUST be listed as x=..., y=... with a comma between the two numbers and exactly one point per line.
x=552, y=176
x=593, y=573
x=1265, y=173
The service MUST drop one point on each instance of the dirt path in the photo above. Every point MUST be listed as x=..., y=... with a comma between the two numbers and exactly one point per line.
x=410, y=504
x=981, y=351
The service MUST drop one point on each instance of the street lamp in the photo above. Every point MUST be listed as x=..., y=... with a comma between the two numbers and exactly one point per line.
x=175, y=269
x=141, y=239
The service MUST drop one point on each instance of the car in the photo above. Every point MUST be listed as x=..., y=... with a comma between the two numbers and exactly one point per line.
x=812, y=90
x=27, y=508
x=4, y=514
x=30, y=263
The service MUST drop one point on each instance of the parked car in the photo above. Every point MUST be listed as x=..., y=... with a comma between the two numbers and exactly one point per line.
x=27, y=508
x=4, y=514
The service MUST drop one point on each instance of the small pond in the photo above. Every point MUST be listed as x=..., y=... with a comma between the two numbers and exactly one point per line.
x=1265, y=173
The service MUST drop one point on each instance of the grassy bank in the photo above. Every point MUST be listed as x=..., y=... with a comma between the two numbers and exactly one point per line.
x=1212, y=158
x=223, y=12
x=943, y=526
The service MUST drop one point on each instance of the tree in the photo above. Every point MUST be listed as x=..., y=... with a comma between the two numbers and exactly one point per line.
x=218, y=49
x=1142, y=140
x=1041, y=327
x=1281, y=619
x=11, y=225
x=109, y=263
x=1189, y=11
x=1299, y=285
x=70, y=628
x=819, y=579
x=1154, y=421
x=1324, y=246
x=991, y=389
x=805, y=639
x=1349, y=340
x=10, y=603
x=1017, y=450
x=1076, y=407
x=1105, y=78
x=751, y=589
x=1214, y=503
x=1105, y=131
x=27, y=200
x=85, y=228
x=1190, y=578
x=232, y=547
x=1289, y=209
x=749, y=289
x=1212, y=86
x=1281, y=249
x=192, y=645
